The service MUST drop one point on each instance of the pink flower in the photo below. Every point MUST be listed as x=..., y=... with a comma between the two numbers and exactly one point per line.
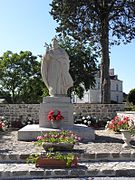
x=40, y=137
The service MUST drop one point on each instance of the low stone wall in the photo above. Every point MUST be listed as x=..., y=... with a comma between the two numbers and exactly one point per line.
x=101, y=111
x=31, y=111
x=20, y=111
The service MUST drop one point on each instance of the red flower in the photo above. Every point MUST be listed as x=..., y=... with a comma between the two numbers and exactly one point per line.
x=51, y=112
x=58, y=113
x=1, y=125
x=58, y=117
x=50, y=117
x=55, y=115
x=118, y=123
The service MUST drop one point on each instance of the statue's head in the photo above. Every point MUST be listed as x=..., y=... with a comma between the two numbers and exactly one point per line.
x=55, y=43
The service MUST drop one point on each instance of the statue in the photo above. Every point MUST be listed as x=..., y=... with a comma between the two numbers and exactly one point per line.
x=55, y=70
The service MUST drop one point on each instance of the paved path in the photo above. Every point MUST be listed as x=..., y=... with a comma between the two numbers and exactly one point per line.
x=105, y=141
x=102, y=157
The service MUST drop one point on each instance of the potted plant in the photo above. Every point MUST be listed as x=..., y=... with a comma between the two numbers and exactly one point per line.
x=125, y=125
x=113, y=124
x=59, y=140
x=55, y=117
x=118, y=124
x=54, y=160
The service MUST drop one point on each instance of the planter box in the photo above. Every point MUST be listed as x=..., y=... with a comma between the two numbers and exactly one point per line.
x=58, y=146
x=54, y=163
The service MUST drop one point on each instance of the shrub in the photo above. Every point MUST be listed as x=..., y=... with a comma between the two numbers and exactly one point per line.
x=131, y=96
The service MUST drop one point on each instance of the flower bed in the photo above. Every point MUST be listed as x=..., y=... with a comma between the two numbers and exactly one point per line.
x=59, y=140
x=52, y=141
x=54, y=160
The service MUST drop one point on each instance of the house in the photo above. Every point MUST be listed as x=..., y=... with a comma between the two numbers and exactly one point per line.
x=93, y=95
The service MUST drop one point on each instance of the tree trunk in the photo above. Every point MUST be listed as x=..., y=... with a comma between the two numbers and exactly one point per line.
x=105, y=63
x=13, y=97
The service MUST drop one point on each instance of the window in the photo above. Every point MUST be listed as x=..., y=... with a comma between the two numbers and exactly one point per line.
x=117, y=87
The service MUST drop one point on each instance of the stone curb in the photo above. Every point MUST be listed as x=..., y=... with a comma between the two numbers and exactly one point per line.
x=116, y=169
x=83, y=157
x=112, y=156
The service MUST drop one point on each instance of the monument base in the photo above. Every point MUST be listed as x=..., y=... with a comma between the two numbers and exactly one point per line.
x=60, y=103
x=30, y=132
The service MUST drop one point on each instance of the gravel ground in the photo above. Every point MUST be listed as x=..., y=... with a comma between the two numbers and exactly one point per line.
x=105, y=141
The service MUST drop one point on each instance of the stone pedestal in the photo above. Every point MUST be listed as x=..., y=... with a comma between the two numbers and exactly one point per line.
x=30, y=132
x=62, y=104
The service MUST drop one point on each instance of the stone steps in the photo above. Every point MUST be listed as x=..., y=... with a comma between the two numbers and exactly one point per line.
x=91, y=169
x=14, y=166
x=104, y=157
x=83, y=156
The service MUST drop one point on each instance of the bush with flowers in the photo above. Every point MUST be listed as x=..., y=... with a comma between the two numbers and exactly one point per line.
x=55, y=115
x=62, y=136
x=3, y=124
x=121, y=123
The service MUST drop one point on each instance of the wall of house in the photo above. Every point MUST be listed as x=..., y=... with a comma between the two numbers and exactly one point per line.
x=116, y=91
x=93, y=95
x=31, y=111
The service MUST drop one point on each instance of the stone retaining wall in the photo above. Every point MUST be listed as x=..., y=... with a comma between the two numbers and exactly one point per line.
x=20, y=111
x=101, y=111
x=31, y=111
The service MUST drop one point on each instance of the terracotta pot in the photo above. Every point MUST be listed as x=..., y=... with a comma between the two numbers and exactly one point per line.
x=58, y=146
x=54, y=163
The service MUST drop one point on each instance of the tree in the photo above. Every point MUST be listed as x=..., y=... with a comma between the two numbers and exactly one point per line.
x=82, y=65
x=131, y=96
x=20, y=77
x=102, y=23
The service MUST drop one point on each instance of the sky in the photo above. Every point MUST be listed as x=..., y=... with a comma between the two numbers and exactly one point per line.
x=26, y=25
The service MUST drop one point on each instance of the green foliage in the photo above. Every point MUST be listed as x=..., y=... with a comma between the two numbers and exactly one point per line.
x=63, y=136
x=102, y=23
x=82, y=64
x=83, y=20
x=131, y=96
x=20, y=77
x=129, y=106
x=32, y=158
x=69, y=157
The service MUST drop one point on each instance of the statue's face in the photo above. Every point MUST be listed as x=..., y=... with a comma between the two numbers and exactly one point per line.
x=55, y=43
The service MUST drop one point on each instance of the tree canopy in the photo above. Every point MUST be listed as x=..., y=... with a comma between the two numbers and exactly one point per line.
x=131, y=96
x=83, y=65
x=20, y=77
x=21, y=80
x=102, y=23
